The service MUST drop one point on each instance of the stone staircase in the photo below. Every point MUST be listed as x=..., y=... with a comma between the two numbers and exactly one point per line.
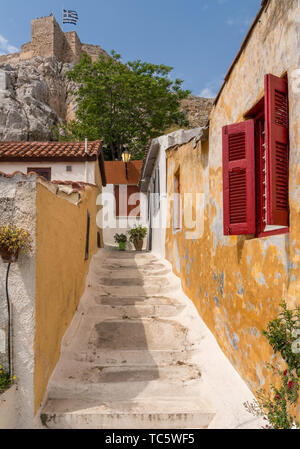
x=134, y=355
x=125, y=360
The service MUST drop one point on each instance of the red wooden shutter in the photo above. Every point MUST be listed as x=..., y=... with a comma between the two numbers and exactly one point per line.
x=239, y=178
x=277, y=150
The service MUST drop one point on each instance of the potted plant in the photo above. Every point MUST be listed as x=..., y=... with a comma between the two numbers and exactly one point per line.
x=121, y=239
x=137, y=235
x=13, y=240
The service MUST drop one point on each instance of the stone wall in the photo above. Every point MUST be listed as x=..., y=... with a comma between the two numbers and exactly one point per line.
x=17, y=206
x=48, y=40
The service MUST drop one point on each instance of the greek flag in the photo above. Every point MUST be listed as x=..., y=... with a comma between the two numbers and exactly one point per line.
x=70, y=16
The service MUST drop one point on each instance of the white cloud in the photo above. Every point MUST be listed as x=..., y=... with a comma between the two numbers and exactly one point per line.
x=230, y=22
x=242, y=23
x=6, y=47
x=212, y=88
x=207, y=93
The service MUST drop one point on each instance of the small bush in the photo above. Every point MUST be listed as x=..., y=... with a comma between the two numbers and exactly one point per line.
x=5, y=380
x=137, y=233
x=278, y=405
x=120, y=238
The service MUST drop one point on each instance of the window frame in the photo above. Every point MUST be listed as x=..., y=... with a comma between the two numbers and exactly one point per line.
x=258, y=114
x=37, y=170
x=177, y=214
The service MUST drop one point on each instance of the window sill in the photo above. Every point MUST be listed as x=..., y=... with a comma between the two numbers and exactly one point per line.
x=270, y=233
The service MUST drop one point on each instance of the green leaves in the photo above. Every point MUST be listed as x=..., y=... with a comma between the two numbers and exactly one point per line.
x=13, y=239
x=126, y=105
x=137, y=233
x=120, y=238
x=281, y=336
x=278, y=404
x=5, y=380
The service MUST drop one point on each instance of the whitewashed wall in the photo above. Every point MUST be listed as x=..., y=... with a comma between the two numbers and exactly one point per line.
x=81, y=171
x=18, y=206
x=159, y=218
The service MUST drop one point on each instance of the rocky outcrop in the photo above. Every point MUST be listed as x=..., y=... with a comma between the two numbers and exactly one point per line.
x=197, y=110
x=34, y=98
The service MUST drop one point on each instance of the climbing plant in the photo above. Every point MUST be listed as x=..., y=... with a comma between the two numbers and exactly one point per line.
x=278, y=405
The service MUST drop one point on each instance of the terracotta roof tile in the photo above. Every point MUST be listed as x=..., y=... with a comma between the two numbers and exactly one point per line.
x=115, y=172
x=49, y=150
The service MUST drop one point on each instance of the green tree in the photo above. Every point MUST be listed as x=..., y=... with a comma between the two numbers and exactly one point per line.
x=126, y=105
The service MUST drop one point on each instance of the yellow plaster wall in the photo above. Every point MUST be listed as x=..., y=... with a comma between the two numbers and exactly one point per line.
x=238, y=282
x=61, y=271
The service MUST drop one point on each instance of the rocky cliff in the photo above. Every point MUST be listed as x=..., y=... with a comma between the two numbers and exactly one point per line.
x=34, y=98
x=197, y=110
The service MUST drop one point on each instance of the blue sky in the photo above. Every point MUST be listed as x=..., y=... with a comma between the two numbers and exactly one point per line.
x=199, y=38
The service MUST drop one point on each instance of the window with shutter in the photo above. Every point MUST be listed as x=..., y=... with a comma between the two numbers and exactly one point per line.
x=177, y=202
x=258, y=151
x=239, y=178
x=277, y=150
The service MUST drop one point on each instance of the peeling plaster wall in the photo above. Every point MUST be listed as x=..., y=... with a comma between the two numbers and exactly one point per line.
x=238, y=282
x=17, y=205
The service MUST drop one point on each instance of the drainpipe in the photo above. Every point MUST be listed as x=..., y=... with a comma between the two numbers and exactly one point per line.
x=9, y=324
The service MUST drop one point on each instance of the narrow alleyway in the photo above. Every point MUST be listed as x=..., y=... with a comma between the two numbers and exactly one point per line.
x=137, y=355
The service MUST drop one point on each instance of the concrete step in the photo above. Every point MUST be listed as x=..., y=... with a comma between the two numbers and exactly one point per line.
x=121, y=270
x=144, y=334
x=107, y=383
x=148, y=413
x=129, y=258
x=127, y=390
x=135, y=311
x=136, y=281
x=110, y=300
x=131, y=358
x=134, y=287
x=93, y=373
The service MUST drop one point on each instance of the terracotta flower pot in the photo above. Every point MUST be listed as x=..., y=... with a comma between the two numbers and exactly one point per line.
x=9, y=257
x=138, y=244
